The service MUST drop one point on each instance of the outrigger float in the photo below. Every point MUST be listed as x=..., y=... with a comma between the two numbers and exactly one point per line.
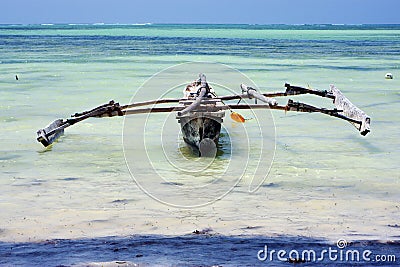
x=201, y=112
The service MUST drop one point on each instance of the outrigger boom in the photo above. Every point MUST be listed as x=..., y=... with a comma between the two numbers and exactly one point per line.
x=201, y=112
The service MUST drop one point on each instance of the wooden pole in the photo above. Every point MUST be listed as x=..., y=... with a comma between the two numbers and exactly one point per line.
x=151, y=110
x=254, y=94
x=201, y=109
x=297, y=90
x=254, y=106
x=233, y=97
x=203, y=92
x=152, y=102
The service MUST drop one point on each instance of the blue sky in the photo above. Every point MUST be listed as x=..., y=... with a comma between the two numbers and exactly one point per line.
x=206, y=11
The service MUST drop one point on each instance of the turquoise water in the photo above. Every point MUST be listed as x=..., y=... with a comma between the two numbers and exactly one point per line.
x=326, y=180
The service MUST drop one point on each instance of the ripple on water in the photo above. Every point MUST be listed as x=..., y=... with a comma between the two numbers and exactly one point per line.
x=69, y=179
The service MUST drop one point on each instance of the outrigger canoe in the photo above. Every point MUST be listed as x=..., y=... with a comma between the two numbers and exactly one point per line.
x=201, y=112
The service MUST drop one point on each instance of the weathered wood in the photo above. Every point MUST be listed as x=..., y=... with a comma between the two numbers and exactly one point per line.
x=201, y=109
x=111, y=103
x=254, y=94
x=196, y=103
x=302, y=107
x=351, y=111
x=290, y=90
x=205, y=101
x=115, y=107
x=243, y=96
x=50, y=133
x=152, y=102
x=201, y=120
x=297, y=90
x=199, y=126
x=254, y=106
x=47, y=135
x=205, y=113
x=151, y=110
x=203, y=80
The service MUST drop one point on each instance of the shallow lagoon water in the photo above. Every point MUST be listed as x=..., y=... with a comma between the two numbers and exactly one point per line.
x=326, y=181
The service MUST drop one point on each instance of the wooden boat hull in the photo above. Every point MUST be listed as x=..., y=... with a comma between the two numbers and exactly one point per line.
x=201, y=131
